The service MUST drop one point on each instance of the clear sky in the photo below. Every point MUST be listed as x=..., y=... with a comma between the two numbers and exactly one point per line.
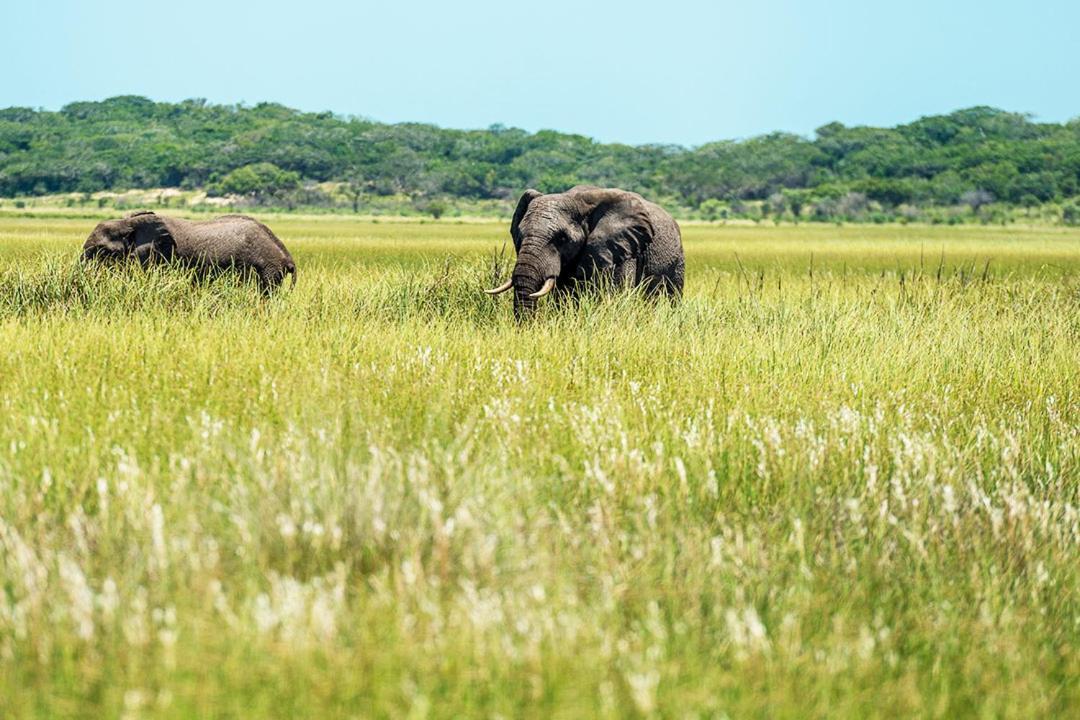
x=678, y=71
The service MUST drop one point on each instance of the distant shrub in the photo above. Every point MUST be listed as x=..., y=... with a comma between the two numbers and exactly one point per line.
x=976, y=199
x=256, y=179
x=712, y=210
x=852, y=206
x=825, y=210
x=1070, y=214
x=436, y=208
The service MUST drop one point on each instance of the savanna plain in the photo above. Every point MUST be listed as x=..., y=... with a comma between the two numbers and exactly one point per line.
x=839, y=479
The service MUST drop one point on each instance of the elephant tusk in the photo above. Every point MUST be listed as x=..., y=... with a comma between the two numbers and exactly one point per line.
x=501, y=289
x=548, y=285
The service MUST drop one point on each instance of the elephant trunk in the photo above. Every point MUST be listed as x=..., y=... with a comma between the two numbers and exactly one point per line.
x=537, y=263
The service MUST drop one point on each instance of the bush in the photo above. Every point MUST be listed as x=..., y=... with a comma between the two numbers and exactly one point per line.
x=436, y=208
x=712, y=210
x=256, y=179
x=1070, y=214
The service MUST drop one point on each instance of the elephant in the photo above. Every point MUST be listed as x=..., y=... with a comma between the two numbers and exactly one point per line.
x=592, y=236
x=235, y=242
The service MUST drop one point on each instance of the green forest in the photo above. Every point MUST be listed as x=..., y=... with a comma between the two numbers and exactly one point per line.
x=976, y=162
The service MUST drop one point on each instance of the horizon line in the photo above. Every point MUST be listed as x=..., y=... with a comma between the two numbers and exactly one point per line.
x=497, y=126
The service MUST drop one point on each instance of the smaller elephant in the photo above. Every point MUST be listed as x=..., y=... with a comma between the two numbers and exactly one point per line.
x=589, y=236
x=233, y=242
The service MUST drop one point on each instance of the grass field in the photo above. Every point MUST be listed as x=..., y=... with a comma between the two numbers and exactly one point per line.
x=840, y=479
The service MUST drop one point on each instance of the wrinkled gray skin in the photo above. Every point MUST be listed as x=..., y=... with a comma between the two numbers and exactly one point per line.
x=591, y=235
x=229, y=242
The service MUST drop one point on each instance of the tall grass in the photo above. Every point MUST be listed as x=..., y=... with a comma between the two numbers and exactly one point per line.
x=844, y=486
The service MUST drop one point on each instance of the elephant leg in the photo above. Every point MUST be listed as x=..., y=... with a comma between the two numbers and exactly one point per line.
x=657, y=286
x=200, y=271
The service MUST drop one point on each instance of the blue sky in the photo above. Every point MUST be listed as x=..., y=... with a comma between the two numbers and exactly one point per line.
x=675, y=71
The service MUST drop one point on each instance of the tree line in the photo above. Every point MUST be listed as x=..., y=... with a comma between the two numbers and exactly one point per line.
x=973, y=157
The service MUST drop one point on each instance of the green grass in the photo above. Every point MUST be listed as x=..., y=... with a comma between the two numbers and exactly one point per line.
x=838, y=486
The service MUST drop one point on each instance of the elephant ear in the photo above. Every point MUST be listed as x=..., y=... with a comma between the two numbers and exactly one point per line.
x=523, y=205
x=618, y=225
x=151, y=240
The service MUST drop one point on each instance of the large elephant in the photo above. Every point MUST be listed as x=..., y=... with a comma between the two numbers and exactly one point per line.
x=235, y=242
x=591, y=235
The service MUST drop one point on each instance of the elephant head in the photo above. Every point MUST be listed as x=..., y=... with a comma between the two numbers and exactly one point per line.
x=566, y=238
x=142, y=235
